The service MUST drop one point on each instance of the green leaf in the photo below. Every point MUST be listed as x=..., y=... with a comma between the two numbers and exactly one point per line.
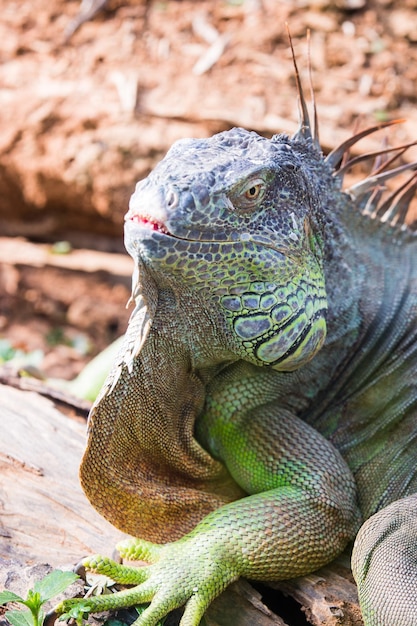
x=54, y=583
x=9, y=596
x=20, y=618
x=76, y=612
x=33, y=601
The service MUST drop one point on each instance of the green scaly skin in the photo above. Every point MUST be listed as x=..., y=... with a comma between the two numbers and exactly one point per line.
x=264, y=399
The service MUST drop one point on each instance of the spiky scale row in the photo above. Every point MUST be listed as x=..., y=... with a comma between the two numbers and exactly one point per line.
x=395, y=209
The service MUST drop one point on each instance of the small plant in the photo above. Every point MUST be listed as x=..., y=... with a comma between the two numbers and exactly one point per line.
x=50, y=586
x=80, y=610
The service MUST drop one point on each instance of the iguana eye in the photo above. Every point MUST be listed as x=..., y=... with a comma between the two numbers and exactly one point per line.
x=253, y=192
x=248, y=196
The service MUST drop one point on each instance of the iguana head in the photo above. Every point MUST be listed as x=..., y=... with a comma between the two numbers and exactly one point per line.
x=233, y=218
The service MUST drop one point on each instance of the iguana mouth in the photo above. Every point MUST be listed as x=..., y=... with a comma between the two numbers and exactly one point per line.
x=152, y=223
x=149, y=222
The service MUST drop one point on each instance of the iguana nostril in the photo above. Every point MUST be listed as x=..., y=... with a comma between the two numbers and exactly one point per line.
x=171, y=199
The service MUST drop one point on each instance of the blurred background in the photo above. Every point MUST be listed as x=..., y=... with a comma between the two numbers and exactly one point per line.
x=93, y=93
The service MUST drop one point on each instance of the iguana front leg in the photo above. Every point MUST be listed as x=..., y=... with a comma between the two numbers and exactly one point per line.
x=384, y=565
x=301, y=514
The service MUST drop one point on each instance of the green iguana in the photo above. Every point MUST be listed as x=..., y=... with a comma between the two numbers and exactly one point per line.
x=264, y=401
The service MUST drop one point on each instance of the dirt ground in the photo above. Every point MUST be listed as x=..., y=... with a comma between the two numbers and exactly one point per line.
x=87, y=111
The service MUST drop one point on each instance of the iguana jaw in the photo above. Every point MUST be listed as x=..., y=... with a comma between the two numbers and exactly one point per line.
x=139, y=228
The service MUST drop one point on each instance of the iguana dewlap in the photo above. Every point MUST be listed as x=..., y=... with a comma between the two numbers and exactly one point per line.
x=265, y=398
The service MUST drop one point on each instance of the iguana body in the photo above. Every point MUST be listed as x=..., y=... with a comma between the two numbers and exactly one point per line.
x=266, y=389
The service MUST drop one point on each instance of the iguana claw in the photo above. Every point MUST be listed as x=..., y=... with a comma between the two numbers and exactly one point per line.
x=171, y=580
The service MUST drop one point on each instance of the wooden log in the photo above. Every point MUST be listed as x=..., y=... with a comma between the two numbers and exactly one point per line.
x=328, y=596
x=46, y=516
